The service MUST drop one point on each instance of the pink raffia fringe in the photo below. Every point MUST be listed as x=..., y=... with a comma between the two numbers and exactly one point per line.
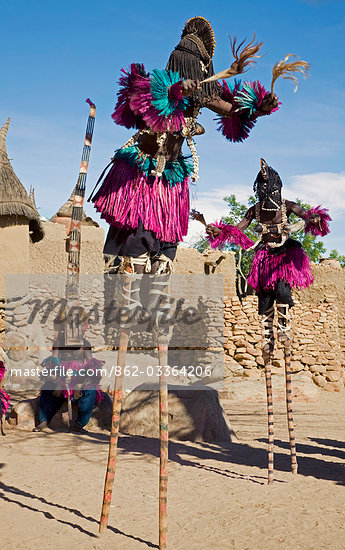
x=246, y=103
x=123, y=113
x=229, y=233
x=322, y=228
x=128, y=196
x=4, y=397
x=141, y=104
x=292, y=266
x=92, y=364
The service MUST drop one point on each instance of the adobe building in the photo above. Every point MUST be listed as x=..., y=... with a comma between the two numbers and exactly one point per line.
x=20, y=224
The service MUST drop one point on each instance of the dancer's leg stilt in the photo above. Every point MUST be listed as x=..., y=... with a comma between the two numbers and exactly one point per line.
x=114, y=434
x=284, y=336
x=267, y=348
x=164, y=443
x=130, y=302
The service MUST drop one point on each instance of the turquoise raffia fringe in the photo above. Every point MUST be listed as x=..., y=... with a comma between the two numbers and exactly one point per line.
x=175, y=170
x=160, y=84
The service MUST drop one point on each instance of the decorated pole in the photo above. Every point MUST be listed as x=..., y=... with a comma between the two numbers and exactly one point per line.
x=73, y=333
x=74, y=231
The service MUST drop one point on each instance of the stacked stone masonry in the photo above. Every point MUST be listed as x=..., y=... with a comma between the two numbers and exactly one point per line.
x=315, y=350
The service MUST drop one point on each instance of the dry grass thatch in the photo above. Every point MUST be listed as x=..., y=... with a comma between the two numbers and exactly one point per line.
x=66, y=212
x=14, y=200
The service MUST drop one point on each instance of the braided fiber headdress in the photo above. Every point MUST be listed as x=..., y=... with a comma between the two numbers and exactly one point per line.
x=192, y=58
x=267, y=187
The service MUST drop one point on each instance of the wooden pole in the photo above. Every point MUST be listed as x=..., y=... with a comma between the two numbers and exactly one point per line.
x=287, y=351
x=284, y=336
x=114, y=434
x=268, y=375
x=74, y=231
x=164, y=443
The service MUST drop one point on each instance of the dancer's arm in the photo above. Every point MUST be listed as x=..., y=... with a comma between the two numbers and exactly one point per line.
x=221, y=233
x=245, y=103
x=317, y=219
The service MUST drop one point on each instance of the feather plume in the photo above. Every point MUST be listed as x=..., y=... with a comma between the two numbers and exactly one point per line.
x=286, y=70
x=243, y=59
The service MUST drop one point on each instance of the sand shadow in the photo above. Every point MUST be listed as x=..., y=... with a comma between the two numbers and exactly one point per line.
x=10, y=489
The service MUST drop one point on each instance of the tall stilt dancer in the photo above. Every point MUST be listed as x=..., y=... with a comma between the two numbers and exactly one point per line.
x=279, y=265
x=145, y=195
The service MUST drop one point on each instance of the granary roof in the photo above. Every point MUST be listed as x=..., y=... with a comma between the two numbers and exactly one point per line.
x=65, y=211
x=14, y=200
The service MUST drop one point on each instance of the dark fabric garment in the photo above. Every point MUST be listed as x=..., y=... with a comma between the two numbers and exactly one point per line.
x=281, y=293
x=85, y=406
x=135, y=242
x=50, y=404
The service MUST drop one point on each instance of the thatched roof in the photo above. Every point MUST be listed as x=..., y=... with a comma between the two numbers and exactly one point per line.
x=14, y=200
x=66, y=212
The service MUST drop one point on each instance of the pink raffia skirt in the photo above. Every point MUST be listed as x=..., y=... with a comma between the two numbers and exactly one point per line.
x=128, y=196
x=288, y=263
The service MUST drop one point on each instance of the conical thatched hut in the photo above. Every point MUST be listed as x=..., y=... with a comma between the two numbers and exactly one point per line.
x=19, y=221
x=14, y=200
x=64, y=214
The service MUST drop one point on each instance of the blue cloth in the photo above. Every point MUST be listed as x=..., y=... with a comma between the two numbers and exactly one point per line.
x=50, y=404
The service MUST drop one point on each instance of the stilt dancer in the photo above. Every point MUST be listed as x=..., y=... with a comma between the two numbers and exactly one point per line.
x=279, y=265
x=145, y=195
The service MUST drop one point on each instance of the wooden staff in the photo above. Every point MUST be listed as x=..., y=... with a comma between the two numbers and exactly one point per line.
x=114, y=433
x=164, y=442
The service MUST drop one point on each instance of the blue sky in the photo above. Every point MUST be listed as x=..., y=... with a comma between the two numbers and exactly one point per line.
x=56, y=54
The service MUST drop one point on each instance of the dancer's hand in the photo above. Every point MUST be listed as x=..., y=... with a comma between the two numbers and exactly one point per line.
x=189, y=86
x=315, y=219
x=212, y=230
x=269, y=102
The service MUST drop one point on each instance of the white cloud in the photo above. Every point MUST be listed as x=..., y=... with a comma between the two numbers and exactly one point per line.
x=325, y=188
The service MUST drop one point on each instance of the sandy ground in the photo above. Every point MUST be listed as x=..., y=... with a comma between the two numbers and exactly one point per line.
x=52, y=484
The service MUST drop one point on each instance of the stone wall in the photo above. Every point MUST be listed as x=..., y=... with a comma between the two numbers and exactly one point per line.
x=318, y=332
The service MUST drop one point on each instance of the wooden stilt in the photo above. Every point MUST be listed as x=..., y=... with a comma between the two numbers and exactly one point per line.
x=268, y=375
x=287, y=350
x=164, y=443
x=114, y=434
x=284, y=336
x=267, y=350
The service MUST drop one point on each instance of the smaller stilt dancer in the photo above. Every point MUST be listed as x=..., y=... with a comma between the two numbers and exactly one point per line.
x=279, y=265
